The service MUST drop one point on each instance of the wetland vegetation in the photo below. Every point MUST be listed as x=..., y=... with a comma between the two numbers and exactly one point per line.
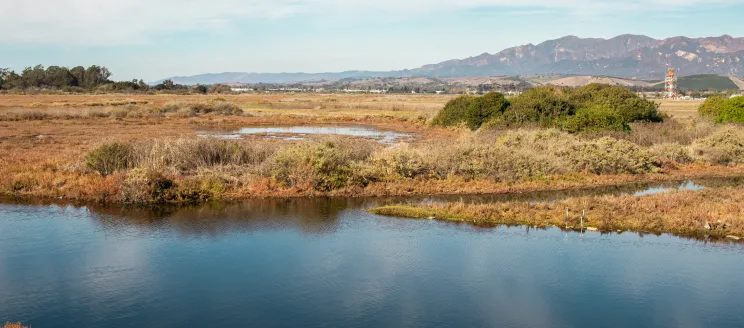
x=152, y=149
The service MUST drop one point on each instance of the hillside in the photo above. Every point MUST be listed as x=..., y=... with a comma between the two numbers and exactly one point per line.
x=626, y=56
x=699, y=82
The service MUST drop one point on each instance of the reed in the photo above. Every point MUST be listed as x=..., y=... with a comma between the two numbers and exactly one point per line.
x=712, y=212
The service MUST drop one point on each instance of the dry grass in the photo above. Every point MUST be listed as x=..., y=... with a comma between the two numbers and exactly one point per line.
x=680, y=109
x=684, y=213
x=43, y=155
x=14, y=325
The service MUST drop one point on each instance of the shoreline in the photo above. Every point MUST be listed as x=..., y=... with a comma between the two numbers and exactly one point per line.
x=707, y=214
x=407, y=188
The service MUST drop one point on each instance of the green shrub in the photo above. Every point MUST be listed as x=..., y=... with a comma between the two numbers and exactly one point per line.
x=672, y=152
x=712, y=107
x=722, y=148
x=398, y=162
x=594, y=119
x=611, y=156
x=454, y=112
x=627, y=104
x=324, y=165
x=485, y=108
x=108, y=158
x=732, y=111
x=542, y=106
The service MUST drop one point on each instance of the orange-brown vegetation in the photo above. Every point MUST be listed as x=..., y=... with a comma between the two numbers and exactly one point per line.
x=712, y=212
x=14, y=325
x=46, y=142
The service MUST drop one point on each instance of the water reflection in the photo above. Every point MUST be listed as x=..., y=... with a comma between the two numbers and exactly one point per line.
x=322, y=215
x=301, y=132
x=327, y=263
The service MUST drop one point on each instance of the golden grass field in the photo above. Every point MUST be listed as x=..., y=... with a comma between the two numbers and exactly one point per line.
x=325, y=105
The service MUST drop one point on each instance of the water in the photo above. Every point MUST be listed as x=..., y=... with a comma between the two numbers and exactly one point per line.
x=638, y=189
x=302, y=132
x=328, y=263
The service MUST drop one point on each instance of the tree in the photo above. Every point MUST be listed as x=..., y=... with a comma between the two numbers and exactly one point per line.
x=4, y=74
x=58, y=77
x=78, y=73
x=34, y=76
x=96, y=75
x=219, y=88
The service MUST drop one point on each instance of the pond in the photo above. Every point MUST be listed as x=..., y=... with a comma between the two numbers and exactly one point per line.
x=303, y=132
x=329, y=263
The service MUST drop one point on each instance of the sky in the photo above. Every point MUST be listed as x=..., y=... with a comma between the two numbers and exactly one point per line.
x=155, y=39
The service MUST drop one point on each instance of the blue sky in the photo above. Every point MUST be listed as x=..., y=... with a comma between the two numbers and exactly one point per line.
x=153, y=39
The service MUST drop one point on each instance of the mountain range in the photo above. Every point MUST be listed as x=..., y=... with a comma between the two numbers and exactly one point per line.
x=628, y=56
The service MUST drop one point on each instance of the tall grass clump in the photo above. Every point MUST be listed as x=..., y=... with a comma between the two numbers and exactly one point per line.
x=611, y=156
x=188, y=155
x=401, y=161
x=195, y=109
x=325, y=166
x=725, y=147
x=672, y=153
x=109, y=158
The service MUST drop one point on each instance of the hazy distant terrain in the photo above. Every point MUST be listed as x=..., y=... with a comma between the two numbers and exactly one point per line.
x=626, y=56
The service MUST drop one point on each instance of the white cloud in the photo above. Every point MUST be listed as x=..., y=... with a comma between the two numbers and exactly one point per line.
x=115, y=22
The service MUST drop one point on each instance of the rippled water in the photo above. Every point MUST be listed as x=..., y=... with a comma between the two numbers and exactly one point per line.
x=301, y=132
x=328, y=263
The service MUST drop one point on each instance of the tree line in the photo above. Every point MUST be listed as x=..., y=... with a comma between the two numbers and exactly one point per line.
x=92, y=78
x=54, y=77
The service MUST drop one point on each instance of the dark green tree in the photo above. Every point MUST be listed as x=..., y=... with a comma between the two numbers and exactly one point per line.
x=484, y=108
x=34, y=77
x=630, y=107
x=58, y=77
x=454, y=112
x=540, y=105
x=78, y=73
x=96, y=75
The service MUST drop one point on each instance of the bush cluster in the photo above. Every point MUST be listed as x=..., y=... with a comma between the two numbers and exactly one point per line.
x=723, y=110
x=723, y=148
x=110, y=158
x=196, y=169
x=591, y=108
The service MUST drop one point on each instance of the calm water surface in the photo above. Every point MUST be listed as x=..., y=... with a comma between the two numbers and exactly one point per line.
x=327, y=263
x=302, y=132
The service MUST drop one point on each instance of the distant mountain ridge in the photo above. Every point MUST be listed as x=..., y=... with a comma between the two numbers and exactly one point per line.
x=629, y=56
